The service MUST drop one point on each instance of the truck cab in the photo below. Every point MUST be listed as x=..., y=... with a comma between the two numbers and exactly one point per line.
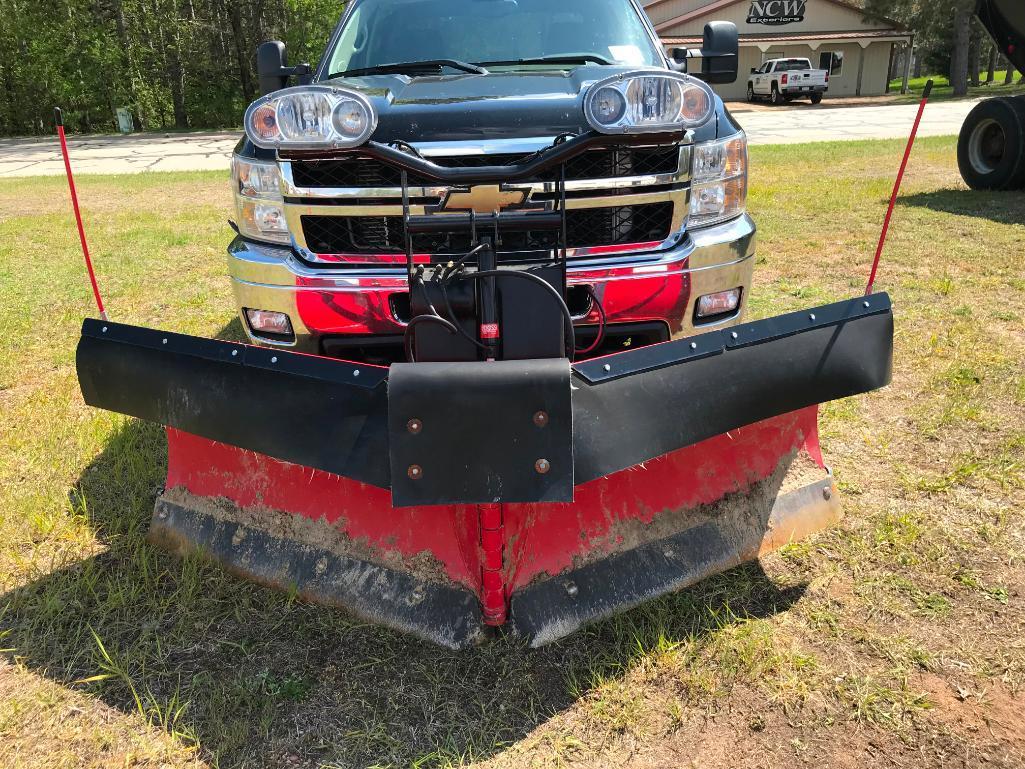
x=656, y=238
x=783, y=80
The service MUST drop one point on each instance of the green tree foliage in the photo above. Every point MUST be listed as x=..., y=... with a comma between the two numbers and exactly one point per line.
x=948, y=38
x=174, y=63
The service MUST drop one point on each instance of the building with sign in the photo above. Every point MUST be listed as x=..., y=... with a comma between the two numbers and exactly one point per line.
x=834, y=34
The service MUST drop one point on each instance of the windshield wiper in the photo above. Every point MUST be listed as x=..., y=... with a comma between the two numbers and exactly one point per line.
x=568, y=58
x=413, y=67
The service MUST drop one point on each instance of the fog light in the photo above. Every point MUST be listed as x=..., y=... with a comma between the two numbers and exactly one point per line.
x=719, y=303
x=267, y=322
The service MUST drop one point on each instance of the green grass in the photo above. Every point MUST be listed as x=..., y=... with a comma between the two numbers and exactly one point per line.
x=841, y=648
x=942, y=89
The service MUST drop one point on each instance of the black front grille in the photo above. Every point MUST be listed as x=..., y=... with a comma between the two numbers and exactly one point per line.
x=585, y=227
x=362, y=171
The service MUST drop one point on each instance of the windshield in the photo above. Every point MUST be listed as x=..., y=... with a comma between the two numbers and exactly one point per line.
x=390, y=31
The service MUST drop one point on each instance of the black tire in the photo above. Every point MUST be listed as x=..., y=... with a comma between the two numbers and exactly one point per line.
x=776, y=97
x=991, y=146
x=750, y=92
x=816, y=98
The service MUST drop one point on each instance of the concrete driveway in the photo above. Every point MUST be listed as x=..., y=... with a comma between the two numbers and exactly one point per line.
x=790, y=124
x=135, y=153
x=800, y=122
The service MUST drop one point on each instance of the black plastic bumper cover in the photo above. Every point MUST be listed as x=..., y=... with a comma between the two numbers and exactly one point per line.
x=605, y=415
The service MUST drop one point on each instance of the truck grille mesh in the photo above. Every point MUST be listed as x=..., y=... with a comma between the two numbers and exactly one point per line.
x=585, y=227
x=361, y=171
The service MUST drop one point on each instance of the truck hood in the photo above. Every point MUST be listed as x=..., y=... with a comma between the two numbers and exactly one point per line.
x=466, y=107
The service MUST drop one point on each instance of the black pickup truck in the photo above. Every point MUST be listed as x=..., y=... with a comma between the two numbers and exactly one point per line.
x=657, y=241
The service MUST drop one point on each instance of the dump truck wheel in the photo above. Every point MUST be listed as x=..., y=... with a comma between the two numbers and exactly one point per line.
x=991, y=147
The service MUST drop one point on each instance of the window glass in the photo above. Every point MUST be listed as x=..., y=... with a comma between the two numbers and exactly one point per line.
x=832, y=62
x=392, y=31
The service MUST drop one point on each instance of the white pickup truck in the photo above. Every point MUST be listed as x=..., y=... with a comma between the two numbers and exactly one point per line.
x=786, y=79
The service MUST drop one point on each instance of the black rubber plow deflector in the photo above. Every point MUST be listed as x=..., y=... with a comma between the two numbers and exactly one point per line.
x=626, y=408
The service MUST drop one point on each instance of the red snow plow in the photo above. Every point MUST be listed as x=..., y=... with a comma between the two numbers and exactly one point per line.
x=440, y=498
x=489, y=470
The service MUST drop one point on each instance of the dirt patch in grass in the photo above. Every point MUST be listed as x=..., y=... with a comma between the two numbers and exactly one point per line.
x=992, y=715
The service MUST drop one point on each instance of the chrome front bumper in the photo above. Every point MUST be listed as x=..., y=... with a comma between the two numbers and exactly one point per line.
x=662, y=286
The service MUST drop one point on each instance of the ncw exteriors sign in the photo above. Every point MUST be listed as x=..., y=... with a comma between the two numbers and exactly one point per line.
x=776, y=11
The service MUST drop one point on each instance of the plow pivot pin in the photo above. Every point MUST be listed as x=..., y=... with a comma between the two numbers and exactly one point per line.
x=164, y=341
x=607, y=367
x=734, y=335
x=572, y=589
x=415, y=472
x=542, y=466
x=234, y=353
x=541, y=419
x=811, y=316
x=104, y=329
x=274, y=359
x=867, y=304
x=414, y=426
x=693, y=345
x=356, y=372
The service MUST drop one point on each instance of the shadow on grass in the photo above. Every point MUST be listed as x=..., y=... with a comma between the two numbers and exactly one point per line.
x=1002, y=207
x=269, y=681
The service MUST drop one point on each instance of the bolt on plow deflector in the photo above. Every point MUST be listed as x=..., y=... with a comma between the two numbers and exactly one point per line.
x=442, y=498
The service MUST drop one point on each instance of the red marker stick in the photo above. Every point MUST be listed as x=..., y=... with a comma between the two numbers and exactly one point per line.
x=896, y=187
x=59, y=119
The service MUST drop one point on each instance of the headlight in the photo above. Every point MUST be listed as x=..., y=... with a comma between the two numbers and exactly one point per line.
x=258, y=201
x=642, y=102
x=310, y=117
x=718, y=181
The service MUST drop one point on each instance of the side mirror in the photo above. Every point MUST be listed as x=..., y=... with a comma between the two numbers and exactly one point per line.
x=272, y=68
x=719, y=53
x=754, y=70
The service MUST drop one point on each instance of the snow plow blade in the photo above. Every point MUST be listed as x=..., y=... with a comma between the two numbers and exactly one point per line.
x=438, y=498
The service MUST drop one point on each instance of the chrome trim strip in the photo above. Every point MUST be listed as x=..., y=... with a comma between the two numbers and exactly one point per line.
x=483, y=147
x=289, y=189
x=294, y=210
x=349, y=284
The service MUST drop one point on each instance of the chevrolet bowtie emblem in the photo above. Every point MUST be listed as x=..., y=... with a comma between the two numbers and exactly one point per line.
x=484, y=199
